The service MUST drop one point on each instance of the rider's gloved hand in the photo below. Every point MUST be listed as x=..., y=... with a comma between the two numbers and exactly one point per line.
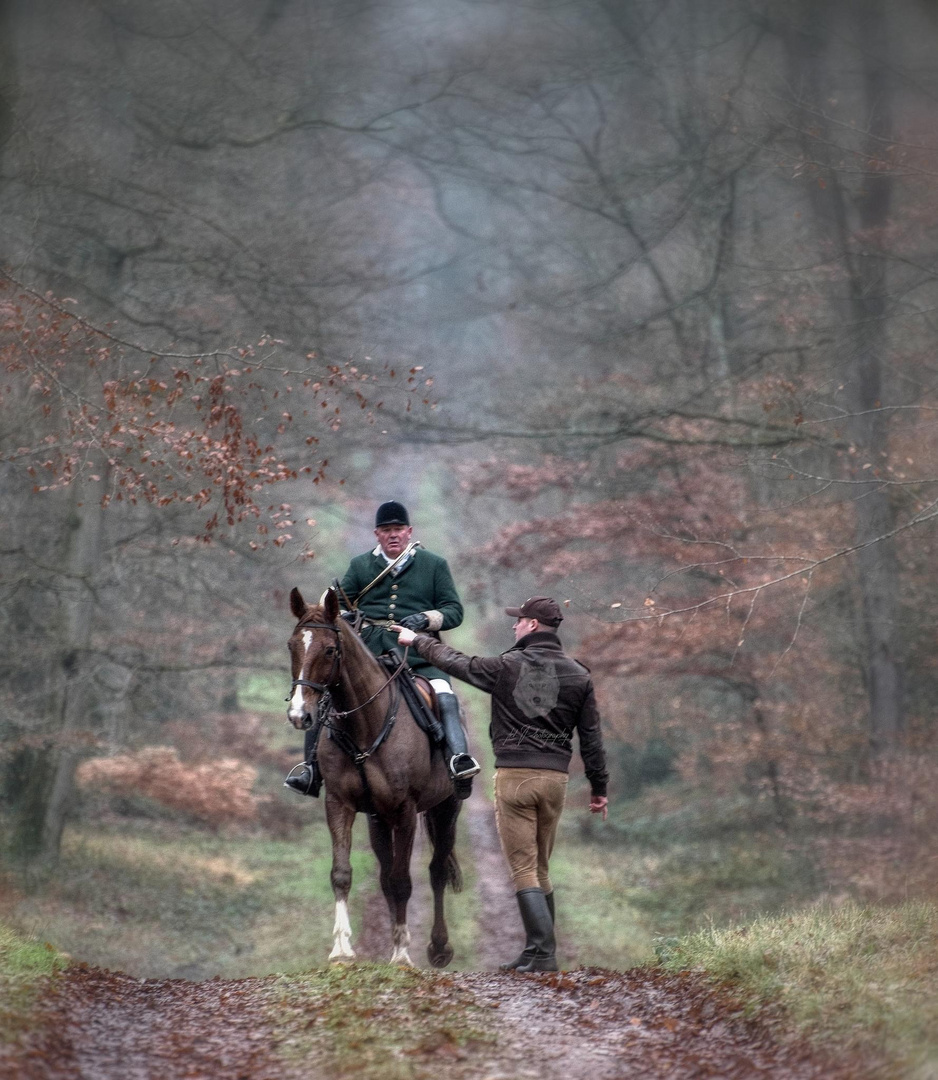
x=417, y=622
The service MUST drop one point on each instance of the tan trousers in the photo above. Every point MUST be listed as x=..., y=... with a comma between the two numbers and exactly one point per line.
x=528, y=803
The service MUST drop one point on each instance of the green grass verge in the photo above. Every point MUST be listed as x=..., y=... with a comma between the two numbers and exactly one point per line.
x=863, y=977
x=377, y=1021
x=618, y=891
x=24, y=963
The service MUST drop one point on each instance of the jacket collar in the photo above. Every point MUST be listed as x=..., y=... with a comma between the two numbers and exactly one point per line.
x=545, y=639
x=384, y=561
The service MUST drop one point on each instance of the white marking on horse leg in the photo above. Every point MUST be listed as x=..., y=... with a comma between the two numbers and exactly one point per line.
x=401, y=938
x=341, y=934
x=297, y=708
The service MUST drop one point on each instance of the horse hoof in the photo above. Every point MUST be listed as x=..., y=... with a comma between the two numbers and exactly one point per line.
x=342, y=959
x=439, y=957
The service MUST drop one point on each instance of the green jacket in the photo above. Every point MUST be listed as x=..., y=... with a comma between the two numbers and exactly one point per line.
x=423, y=584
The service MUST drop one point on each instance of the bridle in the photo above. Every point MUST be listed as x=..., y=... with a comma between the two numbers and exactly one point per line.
x=323, y=688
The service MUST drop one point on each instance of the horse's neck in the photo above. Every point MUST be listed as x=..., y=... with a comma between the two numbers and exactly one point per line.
x=361, y=678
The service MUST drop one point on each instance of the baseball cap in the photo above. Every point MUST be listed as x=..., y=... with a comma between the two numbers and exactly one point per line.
x=543, y=608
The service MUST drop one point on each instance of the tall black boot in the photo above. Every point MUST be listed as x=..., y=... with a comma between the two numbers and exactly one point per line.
x=306, y=778
x=462, y=766
x=527, y=953
x=539, y=927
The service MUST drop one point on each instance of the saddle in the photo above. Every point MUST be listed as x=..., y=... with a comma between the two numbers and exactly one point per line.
x=419, y=695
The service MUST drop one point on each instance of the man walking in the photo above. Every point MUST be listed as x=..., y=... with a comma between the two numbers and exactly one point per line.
x=540, y=696
x=401, y=582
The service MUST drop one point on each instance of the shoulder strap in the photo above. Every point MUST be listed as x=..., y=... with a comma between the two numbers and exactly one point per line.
x=387, y=570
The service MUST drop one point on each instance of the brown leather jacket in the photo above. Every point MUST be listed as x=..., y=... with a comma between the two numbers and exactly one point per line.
x=540, y=696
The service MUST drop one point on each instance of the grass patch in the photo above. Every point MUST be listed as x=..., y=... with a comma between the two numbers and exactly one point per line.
x=263, y=691
x=378, y=1021
x=597, y=922
x=683, y=864
x=22, y=957
x=721, y=880
x=156, y=900
x=865, y=977
x=24, y=963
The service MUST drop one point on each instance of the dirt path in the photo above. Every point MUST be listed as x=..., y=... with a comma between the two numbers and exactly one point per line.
x=103, y=1025
x=585, y=1025
x=593, y=1024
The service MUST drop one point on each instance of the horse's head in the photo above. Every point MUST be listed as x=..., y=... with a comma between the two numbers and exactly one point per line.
x=315, y=653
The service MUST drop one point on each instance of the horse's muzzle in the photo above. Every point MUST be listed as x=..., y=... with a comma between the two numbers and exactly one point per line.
x=302, y=725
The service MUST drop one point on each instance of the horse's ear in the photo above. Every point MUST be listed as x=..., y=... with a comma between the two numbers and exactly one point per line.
x=297, y=603
x=330, y=608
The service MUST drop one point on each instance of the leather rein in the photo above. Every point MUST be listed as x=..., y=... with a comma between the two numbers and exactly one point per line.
x=326, y=713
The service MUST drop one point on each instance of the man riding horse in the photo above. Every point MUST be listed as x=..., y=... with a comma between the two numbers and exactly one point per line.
x=401, y=582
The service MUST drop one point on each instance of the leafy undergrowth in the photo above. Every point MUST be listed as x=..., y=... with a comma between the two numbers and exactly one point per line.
x=24, y=965
x=378, y=1021
x=862, y=977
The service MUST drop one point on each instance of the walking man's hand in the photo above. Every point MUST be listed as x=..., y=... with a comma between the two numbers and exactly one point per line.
x=599, y=804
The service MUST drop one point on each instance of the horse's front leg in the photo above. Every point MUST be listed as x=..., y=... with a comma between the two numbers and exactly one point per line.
x=393, y=847
x=340, y=818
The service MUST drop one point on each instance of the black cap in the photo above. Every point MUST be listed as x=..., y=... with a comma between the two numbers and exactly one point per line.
x=543, y=608
x=391, y=513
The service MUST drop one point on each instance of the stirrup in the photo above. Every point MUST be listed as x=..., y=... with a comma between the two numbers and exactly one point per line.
x=466, y=773
x=296, y=786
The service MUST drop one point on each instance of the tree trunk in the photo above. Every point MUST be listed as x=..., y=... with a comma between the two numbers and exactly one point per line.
x=879, y=574
x=853, y=224
x=76, y=695
x=8, y=85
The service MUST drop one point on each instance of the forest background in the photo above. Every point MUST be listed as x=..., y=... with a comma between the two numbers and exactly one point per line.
x=630, y=302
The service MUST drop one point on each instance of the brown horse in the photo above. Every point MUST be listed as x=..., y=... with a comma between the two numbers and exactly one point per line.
x=374, y=760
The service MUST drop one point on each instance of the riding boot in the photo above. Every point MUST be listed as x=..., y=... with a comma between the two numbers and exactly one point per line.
x=306, y=778
x=539, y=928
x=527, y=953
x=462, y=766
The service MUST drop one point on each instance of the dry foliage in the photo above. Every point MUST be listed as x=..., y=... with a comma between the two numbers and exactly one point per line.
x=216, y=793
x=166, y=428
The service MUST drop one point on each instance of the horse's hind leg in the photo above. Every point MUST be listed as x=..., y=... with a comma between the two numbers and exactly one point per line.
x=340, y=817
x=444, y=870
x=393, y=847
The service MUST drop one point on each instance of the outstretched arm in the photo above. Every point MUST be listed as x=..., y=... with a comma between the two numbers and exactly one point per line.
x=478, y=671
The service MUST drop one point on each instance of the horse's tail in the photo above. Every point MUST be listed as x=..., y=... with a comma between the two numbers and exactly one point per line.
x=442, y=834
